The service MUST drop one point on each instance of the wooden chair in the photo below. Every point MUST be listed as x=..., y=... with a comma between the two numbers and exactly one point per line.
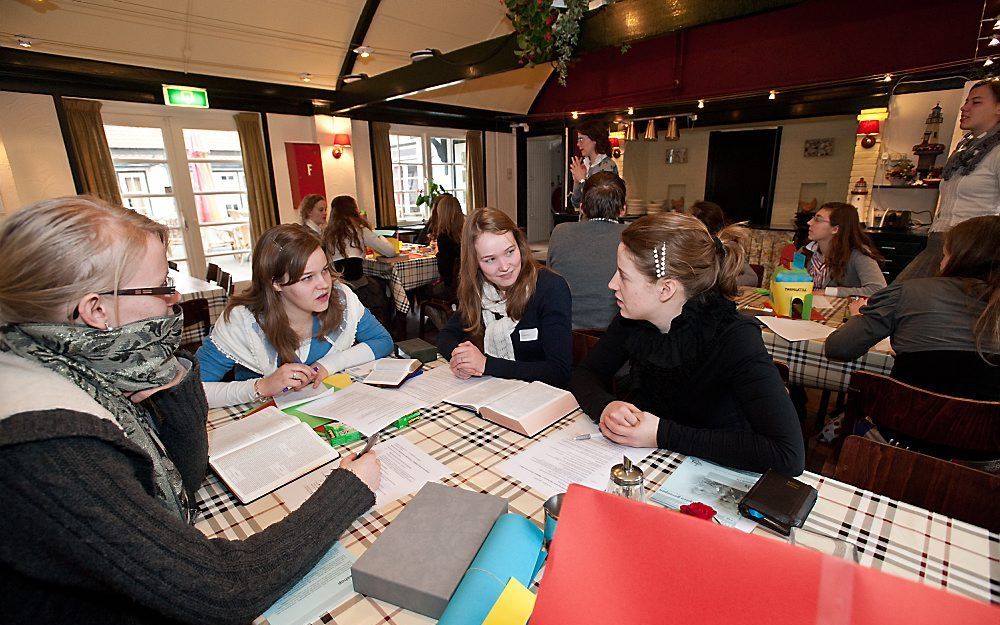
x=214, y=273
x=783, y=370
x=444, y=307
x=759, y=270
x=226, y=282
x=196, y=314
x=584, y=340
x=924, y=481
x=923, y=416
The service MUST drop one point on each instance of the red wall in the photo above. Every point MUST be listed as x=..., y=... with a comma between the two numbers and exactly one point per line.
x=813, y=42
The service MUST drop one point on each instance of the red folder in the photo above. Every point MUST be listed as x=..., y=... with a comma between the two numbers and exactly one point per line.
x=617, y=561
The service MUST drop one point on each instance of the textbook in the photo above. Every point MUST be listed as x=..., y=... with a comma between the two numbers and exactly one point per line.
x=264, y=451
x=525, y=407
x=391, y=371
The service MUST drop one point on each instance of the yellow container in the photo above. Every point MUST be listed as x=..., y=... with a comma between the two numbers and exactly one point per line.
x=784, y=294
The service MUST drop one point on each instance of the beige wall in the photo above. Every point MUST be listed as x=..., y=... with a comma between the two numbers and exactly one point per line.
x=33, y=161
x=501, y=172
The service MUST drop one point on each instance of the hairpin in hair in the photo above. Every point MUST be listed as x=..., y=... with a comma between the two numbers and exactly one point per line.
x=278, y=245
x=719, y=247
x=660, y=259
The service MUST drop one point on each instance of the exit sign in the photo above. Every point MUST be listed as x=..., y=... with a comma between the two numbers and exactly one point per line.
x=194, y=97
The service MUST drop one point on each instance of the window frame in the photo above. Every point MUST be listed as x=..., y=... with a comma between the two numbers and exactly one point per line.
x=426, y=133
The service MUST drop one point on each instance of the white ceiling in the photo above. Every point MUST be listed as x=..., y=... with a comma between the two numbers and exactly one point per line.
x=272, y=40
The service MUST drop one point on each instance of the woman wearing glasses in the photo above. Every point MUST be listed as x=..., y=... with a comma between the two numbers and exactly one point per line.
x=840, y=257
x=103, y=439
x=595, y=155
x=292, y=328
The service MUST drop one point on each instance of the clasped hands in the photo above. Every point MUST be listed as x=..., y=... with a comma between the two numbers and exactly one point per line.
x=467, y=361
x=625, y=424
x=292, y=376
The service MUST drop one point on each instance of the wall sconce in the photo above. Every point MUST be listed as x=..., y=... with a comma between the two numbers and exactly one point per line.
x=616, y=147
x=868, y=128
x=650, y=134
x=340, y=142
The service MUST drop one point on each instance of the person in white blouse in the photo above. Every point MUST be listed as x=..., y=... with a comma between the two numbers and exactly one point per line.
x=971, y=185
x=595, y=155
x=312, y=213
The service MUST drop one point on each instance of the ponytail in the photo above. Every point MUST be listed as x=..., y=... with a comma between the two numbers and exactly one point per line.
x=733, y=239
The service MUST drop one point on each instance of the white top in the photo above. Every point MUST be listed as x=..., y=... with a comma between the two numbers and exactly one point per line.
x=312, y=225
x=974, y=195
x=370, y=239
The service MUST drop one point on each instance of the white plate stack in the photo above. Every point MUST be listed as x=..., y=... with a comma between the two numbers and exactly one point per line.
x=635, y=207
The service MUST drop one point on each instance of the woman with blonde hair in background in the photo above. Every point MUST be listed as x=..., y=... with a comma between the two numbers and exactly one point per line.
x=513, y=318
x=312, y=213
x=700, y=381
x=103, y=439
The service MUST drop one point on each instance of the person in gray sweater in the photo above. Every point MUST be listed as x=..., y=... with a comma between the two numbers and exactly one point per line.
x=585, y=252
x=103, y=440
x=840, y=257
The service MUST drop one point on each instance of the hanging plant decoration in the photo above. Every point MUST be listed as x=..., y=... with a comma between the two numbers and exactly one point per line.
x=544, y=33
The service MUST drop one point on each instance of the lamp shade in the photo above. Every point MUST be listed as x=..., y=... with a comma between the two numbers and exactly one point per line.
x=342, y=140
x=630, y=131
x=868, y=127
x=650, y=131
x=672, y=133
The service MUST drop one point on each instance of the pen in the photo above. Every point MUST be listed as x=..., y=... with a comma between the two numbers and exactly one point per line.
x=371, y=443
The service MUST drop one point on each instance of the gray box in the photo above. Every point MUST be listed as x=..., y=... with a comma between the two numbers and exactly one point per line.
x=418, y=561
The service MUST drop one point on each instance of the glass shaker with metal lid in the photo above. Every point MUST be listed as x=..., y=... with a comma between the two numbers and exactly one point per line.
x=627, y=481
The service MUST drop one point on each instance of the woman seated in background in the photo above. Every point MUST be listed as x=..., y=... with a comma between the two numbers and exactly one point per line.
x=312, y=213
x=345, y=238
x=447, y=221
x=712, y=215
x=840, y=257
x=700, y=381
x=103, y=439
x=513, y=318
x=585, y=252
x=945, y=330
x=295, y=325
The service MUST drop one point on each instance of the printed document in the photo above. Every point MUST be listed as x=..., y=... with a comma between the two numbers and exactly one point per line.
x=796, y=329
x=434, y=385
x=711, y=484
x=365, y=408
x=295, y=398
x=322, y=589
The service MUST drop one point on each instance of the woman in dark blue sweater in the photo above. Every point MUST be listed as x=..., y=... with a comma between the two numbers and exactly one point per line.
x=514, y=316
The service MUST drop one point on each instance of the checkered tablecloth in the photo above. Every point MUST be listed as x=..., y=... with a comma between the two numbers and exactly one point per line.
x=403, y=274
x=217, y=300
x=890, y=536
x=807, y=364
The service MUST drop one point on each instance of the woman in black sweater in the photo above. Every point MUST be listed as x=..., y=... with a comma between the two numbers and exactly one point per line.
x=513, y=318
x=700, y=381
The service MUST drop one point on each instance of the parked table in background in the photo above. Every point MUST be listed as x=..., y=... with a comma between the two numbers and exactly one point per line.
x=415, y=266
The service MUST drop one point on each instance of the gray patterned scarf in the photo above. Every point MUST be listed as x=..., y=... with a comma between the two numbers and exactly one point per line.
x=970, y=152
x=111, y=365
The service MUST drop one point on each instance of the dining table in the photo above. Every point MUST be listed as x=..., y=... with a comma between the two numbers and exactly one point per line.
x=807, y=363
x=889, y=535
x=415, y=266
x=191, y=288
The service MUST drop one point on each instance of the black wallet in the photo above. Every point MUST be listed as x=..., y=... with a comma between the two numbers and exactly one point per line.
x=778, y=502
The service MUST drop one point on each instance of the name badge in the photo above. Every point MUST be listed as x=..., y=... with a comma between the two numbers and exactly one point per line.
x=530, y=334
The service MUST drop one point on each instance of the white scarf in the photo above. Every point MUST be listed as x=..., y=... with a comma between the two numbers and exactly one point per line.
x=496, y=337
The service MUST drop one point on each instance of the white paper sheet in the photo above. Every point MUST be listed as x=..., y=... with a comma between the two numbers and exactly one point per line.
x=796, y=329
x=822, y=301
x=365, y=408
x=294, y=398
x=405, y=469
x=711, y=484
x=552, y=464
x=432, y=386
x=322, y=589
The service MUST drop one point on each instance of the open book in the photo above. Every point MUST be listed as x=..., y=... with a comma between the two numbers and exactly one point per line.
x=526, y=408
x=268, y=449
x=391, y=371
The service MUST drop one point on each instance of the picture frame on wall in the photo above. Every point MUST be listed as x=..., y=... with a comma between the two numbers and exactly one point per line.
x=818, y=147
x=677, y=155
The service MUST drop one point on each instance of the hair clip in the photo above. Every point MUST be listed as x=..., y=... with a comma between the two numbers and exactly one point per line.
x=660, y=259
x=278, y=245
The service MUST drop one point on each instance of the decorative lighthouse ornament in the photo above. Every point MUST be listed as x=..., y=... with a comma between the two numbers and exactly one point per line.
x=928, y=149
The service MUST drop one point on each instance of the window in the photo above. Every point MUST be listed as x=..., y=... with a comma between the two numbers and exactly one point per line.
x=411, y=154
x=206, y=209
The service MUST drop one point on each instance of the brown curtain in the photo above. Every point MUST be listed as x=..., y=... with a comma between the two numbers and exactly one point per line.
x=91, y=155
x=258, y=179
x=385, y=199
x=477, y=175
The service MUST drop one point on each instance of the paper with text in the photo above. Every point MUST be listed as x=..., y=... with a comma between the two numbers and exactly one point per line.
x=433, y=386
x=365, y=408
x=294, y=398
x=486, y=392
x=796, y=329
x=322, y=589
x=711, y=484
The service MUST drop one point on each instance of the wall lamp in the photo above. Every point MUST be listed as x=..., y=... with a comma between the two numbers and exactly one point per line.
x=340, y=141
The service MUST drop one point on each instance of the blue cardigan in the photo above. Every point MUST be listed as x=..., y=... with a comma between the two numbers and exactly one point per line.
x=549, y=356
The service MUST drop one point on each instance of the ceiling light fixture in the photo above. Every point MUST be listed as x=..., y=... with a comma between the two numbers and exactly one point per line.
x=348, y=79
x=988, y=62
x=426, y=53
x=994, y=42
x=997, y=25
x=650, y=134
x=701, y=104
x=364, y=51
x=575, y=115
x=772, y=94
x=23, y=41
x=887, y=78
x=305, y=77
x=631, y=110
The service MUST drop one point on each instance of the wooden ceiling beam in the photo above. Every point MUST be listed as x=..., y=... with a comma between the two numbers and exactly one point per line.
x=357, y=39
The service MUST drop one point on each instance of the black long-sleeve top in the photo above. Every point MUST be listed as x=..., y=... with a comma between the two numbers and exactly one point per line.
x=542, y=338
x=449, y=251
x=710, y=381
x=86, y=541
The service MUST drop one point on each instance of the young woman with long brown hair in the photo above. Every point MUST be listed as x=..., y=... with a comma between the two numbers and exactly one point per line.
x=513, y=318
x=945, y=330
x=840, y=257
x=345, y=238
x=447, y=221
x=293, y=327
x=700, y=381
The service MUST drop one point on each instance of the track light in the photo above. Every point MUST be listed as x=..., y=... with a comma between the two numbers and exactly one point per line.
x=994, y=42
x=426, y=53
x=305, y=77
x=348, y=79
x=364, y=51
x=701, y=104
x=575, y=115
x=23, y=41
x=772, y=94
x=988, y=62
x=650, y=131
x=631, y=110
x=887, y=78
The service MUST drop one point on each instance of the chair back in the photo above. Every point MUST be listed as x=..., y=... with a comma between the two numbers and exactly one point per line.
x=197, y=323
x=783, y=370
x=759, y=270
x=921, y=415
x=584, y=340
x=226, y=282
x=925, y=481
x=213, y=273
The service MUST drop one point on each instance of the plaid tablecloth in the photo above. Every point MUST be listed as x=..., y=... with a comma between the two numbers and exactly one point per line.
x=217, y=300
x=891, y=536
x=403, y=274
x=807, y=364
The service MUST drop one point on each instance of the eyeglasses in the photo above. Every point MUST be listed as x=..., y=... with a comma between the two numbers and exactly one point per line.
x=582, y=138
x=820, y=220
x=167, y=288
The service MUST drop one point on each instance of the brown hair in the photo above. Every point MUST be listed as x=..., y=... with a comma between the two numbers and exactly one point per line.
x=306, y=206
x=470, y=284
x=598, y=131
x=993, y=84
x=447, y=217
x=973, y=254
x=345, y=225
x=603, y=195
x=56, y=251
x=693, y=257
x=849, y=237
x=283, y=251
x=710, y=214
